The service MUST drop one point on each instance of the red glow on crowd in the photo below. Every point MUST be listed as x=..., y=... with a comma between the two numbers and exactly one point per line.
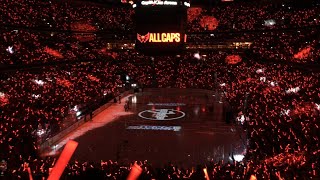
x=93, y=78
x=64, y=82
x=304, y=108
x=209, y=23
x=283, y=128
x=304, y=53
x=3, y=99
x=53, y=52
x=83, y=27
x=233, y=59
x=193, y=13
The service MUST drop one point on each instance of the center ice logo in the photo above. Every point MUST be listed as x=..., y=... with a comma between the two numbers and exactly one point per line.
x=161, y=114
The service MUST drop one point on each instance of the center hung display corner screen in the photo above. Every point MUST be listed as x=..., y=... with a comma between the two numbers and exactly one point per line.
x=160, y=28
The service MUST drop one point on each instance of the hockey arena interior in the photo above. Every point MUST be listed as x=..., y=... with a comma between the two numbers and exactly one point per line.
x=160, y=89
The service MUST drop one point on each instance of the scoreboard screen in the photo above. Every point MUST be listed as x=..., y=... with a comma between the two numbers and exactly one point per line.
x=160, y=29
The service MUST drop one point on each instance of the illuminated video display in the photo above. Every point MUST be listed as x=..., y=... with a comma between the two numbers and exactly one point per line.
x=160, y=28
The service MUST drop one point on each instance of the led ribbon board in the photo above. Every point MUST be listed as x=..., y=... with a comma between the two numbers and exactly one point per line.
x=163, y=3
x=158, y=2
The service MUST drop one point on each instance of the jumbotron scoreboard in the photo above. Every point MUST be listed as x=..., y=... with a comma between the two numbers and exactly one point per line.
x=160, y=26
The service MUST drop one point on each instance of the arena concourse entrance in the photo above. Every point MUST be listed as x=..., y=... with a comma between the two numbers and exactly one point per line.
x=182, y=126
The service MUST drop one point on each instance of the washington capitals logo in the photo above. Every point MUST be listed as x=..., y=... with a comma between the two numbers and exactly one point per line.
x=144, y=38
x=161, y=114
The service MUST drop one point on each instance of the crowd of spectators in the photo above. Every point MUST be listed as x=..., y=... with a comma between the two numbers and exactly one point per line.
x=68, y=15
x=28, y=47
x=65, y=15
x=282, y=108
x=35, y=103
x=23, y=43
x=114, y=170
x=20, y=47
x=251, y=17
x=300, y=46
